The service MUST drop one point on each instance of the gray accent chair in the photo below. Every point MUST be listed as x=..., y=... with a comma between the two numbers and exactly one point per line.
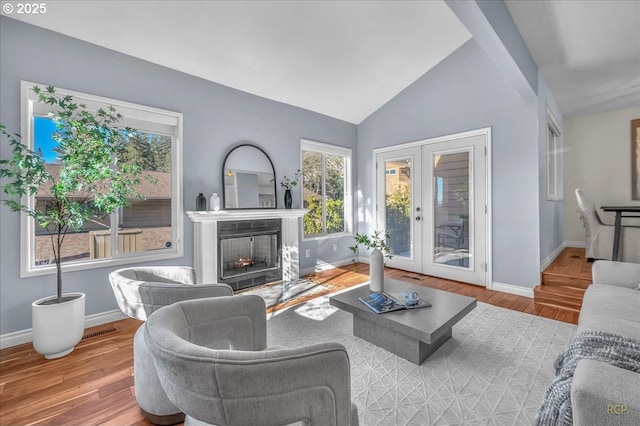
x=600, y=235
x=214, y=364
x=139, y=292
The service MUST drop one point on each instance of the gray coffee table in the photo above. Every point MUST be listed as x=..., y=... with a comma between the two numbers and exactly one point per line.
x=412, y=334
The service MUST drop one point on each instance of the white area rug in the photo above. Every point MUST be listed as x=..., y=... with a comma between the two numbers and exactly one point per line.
x=493, y=371
x=284, y=291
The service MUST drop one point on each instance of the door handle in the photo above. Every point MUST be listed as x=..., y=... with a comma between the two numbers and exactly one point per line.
x=418, y=218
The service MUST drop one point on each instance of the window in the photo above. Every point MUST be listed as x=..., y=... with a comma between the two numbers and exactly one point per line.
x=326, y=189
x=149, y=228
x=555, y=181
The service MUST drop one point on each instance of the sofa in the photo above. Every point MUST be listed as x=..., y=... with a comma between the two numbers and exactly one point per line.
x=598, y=375
x=601, y=393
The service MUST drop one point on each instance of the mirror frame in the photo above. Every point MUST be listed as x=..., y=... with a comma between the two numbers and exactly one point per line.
x=224, y=189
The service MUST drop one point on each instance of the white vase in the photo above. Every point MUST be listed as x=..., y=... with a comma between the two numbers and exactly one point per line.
x=376, y=271
x=58, y=327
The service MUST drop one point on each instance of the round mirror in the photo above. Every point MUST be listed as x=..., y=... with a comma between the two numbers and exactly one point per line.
x=249, y=179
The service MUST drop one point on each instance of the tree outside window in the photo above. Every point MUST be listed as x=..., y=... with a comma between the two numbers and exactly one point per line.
x=325, y=173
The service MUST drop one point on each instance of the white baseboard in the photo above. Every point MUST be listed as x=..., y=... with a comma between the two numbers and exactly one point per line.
x=547, y=261
x=324, y=266
x=25, y=336
x=576, y=244
x=512, y=289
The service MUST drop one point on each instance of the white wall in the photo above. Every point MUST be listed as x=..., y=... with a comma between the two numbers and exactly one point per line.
x=598, y=160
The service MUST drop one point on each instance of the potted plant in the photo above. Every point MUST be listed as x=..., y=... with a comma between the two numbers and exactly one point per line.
x=287, y=184
x=84, y=184
x=377, y=243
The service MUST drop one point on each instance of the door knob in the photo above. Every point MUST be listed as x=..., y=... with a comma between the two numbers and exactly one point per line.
x=418, y=218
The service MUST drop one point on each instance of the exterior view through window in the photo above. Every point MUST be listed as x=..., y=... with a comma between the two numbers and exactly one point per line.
x=147, y=229
x=325, y=174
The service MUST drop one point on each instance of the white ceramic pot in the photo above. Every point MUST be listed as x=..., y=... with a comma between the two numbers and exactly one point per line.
x=57, y=328
x=376, y=271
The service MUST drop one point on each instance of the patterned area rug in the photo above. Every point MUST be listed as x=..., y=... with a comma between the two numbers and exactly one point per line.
x=286, y=291
x=493, y=371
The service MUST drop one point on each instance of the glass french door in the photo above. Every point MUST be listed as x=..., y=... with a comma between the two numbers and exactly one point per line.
x=399, y=205
x=432, y=200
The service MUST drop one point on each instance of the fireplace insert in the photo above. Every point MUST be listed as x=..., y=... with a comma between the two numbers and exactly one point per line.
x=249, y=252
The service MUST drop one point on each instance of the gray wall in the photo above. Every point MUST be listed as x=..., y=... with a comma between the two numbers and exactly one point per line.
x=466, y=91
x=551, y=212
x=215, y=118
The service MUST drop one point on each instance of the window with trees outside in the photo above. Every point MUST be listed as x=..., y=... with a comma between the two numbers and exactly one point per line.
x=150, y=227
x=326, y=189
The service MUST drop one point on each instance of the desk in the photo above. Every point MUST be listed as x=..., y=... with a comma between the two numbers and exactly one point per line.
x=618, y=224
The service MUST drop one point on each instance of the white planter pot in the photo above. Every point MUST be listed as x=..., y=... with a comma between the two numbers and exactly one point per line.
x=57, y=328
x=376, y=271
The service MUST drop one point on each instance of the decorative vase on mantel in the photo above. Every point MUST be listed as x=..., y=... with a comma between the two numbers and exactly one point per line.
x=287, y=199
x=376, y=271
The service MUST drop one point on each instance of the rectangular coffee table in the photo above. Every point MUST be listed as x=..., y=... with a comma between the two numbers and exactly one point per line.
x=412, y=334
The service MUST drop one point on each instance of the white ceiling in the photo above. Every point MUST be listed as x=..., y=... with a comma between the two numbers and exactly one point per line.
x=588, y=51
x=344, y=59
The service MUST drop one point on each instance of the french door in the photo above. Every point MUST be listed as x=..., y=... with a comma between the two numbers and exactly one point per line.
x=432, y=198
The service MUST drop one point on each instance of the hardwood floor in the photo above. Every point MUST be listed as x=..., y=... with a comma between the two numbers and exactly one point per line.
x=94, y=384
x=565, y=281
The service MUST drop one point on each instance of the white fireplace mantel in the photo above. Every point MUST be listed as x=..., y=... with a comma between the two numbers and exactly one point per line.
x=205, y=239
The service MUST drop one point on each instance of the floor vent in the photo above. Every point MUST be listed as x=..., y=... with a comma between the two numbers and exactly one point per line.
x=413, y=277
x=99, y=333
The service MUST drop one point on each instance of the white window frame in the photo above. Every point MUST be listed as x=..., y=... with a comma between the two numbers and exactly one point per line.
x=555, y=169
x=327, y=149
x=142, y=118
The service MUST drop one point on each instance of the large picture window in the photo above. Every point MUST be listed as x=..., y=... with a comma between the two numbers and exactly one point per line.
x=150, y=227
x=326, y=189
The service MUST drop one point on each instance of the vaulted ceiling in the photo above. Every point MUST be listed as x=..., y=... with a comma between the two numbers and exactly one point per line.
x=588, y=51
x=346, y=59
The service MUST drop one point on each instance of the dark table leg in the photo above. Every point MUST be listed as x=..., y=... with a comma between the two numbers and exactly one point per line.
x=616, y=236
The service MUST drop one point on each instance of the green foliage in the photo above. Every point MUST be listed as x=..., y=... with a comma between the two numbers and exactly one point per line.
x=288, y=183
x=376, y=241
x=312, y=220
x=398, y=217
x=88, y=182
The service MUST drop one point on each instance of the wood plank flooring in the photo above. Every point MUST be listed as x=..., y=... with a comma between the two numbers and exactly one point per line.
x=94, y=384
x=565, y=281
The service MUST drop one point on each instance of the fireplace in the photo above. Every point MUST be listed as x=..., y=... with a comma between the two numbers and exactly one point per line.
x=210, y=228
x=249, y=252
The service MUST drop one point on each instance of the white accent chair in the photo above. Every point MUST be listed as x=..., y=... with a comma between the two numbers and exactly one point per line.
x=139, y=292
x=600, y=235
x=214, y=364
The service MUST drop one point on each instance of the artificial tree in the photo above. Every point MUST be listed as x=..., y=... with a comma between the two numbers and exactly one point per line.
x=88, y=182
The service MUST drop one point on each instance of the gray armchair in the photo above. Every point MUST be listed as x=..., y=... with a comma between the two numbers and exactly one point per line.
x=139, y=292
x=600, y=236
x=212, y=359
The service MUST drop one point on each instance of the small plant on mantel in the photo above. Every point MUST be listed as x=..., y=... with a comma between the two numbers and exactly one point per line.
x=289, y=183
x=82, y=184
x=375, y=241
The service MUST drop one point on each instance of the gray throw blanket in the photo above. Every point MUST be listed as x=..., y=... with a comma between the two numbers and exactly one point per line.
x=613, y=349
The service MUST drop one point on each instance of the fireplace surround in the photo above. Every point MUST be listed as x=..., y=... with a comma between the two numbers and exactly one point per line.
x=267, y=240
